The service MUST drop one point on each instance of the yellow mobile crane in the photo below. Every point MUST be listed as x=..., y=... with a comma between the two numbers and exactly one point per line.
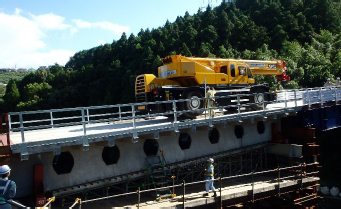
x=186, y=77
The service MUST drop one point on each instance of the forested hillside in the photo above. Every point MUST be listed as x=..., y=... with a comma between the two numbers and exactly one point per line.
x=305, y=34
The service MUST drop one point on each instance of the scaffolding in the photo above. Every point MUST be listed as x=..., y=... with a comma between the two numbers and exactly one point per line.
x=230, y=163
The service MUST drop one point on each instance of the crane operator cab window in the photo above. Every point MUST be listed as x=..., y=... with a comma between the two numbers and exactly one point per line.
x=242, y=70
x=233, y=71
x=223, y=69
x=249, y=74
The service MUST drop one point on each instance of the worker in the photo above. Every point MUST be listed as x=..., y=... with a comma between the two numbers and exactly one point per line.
x=7, y=187
x=328, y=84
x=210, y=94
x=209, y=175
x=338, y=83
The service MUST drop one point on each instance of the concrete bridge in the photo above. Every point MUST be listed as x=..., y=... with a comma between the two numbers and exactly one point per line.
x=67, y=151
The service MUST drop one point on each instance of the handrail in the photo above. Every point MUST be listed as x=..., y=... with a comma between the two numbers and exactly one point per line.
x=14, y=203
x=183, y=184
x=129, y=113
x=49, y=201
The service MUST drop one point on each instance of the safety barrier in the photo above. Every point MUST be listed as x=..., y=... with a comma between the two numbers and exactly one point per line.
x=300, y=175
x=86, y=116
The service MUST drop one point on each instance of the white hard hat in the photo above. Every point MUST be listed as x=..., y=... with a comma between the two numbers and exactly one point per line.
x=338, y=78
x=210, y=160
x=4, y=169
x=328, y=79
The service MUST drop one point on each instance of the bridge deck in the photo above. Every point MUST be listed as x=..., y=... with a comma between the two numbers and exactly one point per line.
x=28, y=139
x=74, y=135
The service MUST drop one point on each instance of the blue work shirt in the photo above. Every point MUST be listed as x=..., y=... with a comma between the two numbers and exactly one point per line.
x=7, y=191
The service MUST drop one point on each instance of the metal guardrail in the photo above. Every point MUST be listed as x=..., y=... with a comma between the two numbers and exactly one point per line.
x=184, y=185
x=44, y=119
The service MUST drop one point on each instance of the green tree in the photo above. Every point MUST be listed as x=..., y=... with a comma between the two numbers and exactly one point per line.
x=12, y=96
x=184, y=50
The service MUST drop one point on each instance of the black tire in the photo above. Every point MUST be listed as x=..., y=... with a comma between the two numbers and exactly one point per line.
x=195, y=106
x=258, y=98
x=231, y=109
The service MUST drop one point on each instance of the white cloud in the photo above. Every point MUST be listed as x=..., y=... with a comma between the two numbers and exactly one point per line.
x=50, y=21
x=24, y=37
x=19, y=34
x=82, y=24
x=47, y=58
x=22, y=45
x=105, y=25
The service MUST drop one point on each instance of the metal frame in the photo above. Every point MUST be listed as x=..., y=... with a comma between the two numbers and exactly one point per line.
x=251, y=175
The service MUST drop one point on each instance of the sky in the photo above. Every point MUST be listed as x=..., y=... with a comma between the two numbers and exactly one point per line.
x=36, y=33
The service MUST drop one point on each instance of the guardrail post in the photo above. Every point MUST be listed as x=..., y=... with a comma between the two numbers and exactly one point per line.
x=221, y=186
x=9, y=123
x=83, y=121
x=51, y=118
x=183, y=197
x=87, y=114
x=279, y=178
x=238, y=103
x=335, y=92
x=295, y=95
x=174, y=112
x=133, y=114
x=321, y=100
x=253, y=188
x=138, y=197
x=22, y=128
x=119, y=113
x=308, y=98
x=286, y=102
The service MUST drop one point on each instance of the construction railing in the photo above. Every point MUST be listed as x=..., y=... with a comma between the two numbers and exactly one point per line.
x=130, y=113
x=301, y=172
x=49, y=202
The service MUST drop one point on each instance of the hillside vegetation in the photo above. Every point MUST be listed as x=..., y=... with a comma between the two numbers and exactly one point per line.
x=5, y=77
x=305, y=34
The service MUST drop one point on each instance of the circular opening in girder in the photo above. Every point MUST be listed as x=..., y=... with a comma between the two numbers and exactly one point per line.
x=110, y=155
x=63, y=163
x=150, y=147
x=213, y=136
x=185, y=141
x=260, y=127
x=239, y=131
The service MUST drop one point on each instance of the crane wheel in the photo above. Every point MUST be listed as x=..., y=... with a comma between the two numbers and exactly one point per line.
x=195, y=105
x=258, y=98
